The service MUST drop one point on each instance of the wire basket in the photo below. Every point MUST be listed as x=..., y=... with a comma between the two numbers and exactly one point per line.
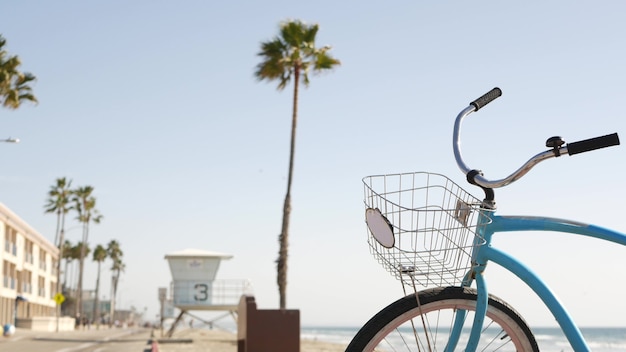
x=432, y=227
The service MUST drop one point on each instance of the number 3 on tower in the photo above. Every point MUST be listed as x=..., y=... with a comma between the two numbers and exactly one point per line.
x=202, y=292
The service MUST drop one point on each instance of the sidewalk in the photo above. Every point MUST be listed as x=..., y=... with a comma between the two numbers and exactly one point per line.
x=87, y=334
x=184, y=340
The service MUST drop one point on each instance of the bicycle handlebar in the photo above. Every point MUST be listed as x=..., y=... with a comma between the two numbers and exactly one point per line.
x=476, y=177
x=592, y=144
x=486, y=98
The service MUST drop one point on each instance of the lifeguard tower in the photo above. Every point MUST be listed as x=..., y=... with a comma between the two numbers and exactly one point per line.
x=194, y=286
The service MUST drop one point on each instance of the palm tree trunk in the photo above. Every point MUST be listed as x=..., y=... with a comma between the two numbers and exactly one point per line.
x=61, y=239
x=81, y=269
x=111, y=304
x=114, y=281
x=56, y=233
x=65, y=274
x=79, y=288
x=284, y=235
x=96, y=306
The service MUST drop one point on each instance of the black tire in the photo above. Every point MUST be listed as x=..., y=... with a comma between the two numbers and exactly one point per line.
x=401, y=326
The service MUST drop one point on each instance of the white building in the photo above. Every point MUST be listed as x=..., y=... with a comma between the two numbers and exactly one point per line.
x=28, y=269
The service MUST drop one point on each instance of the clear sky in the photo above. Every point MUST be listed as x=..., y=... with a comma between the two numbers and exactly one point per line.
x=154, y=104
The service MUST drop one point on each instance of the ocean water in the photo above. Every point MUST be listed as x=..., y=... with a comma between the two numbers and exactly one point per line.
x=549, y=339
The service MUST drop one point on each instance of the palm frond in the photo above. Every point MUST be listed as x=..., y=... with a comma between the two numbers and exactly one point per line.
x=293, y=50
x=14, y=88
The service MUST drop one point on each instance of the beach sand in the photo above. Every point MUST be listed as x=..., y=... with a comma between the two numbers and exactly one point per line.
x=223, y=341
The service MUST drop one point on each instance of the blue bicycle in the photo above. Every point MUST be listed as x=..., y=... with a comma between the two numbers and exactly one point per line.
x=428, y=232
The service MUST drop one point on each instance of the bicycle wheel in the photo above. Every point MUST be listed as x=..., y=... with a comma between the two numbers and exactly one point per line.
x=406, y=326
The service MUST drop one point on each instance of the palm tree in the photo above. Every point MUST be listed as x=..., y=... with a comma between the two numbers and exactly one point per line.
x=115, y=253
x=77, y=250
x=58, y=202
x=67, y=253
x=291, y=54
x=14, y=86
x=73, y=253
x=99, y=255
x=85, y=205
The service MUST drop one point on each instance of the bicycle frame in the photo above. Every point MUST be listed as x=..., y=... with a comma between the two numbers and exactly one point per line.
x=403, y=211
x=487, y=253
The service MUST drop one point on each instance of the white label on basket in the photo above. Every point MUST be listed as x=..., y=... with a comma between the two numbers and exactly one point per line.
x=462, y=212
x=379, y=227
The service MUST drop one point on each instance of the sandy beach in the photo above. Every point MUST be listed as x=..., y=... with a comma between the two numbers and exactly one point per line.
x=196, y=340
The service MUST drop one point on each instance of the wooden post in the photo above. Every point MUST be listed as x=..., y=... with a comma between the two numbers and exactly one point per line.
x=276, y=330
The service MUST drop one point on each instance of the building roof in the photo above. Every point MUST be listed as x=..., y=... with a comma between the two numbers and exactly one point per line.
x=9, y=217
x=197, y=253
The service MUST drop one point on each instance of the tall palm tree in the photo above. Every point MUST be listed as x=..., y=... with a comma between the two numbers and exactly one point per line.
x=115, y=253
x=14, y=86
x=99, y=255
x=85, y=205
x=291, y=54
x=58, y=202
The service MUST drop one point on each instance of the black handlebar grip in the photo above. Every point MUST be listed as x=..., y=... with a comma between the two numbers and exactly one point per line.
x=592, y=144
x=486, y=99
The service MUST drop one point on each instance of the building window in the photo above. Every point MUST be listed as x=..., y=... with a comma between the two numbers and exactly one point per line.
x=54, y=267
x=42, y=286
x=10, y=240
x=42, y=260
x=8, y=275
x=27, y=283
x=28, y=252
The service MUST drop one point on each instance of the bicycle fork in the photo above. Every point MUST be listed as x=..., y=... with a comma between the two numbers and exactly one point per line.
x=482, y=302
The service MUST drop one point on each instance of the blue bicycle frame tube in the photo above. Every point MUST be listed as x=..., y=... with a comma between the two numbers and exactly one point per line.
x=457, y=328
x=482, y=303
x=570, y=329
x=526, y=223
x=536, y=223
